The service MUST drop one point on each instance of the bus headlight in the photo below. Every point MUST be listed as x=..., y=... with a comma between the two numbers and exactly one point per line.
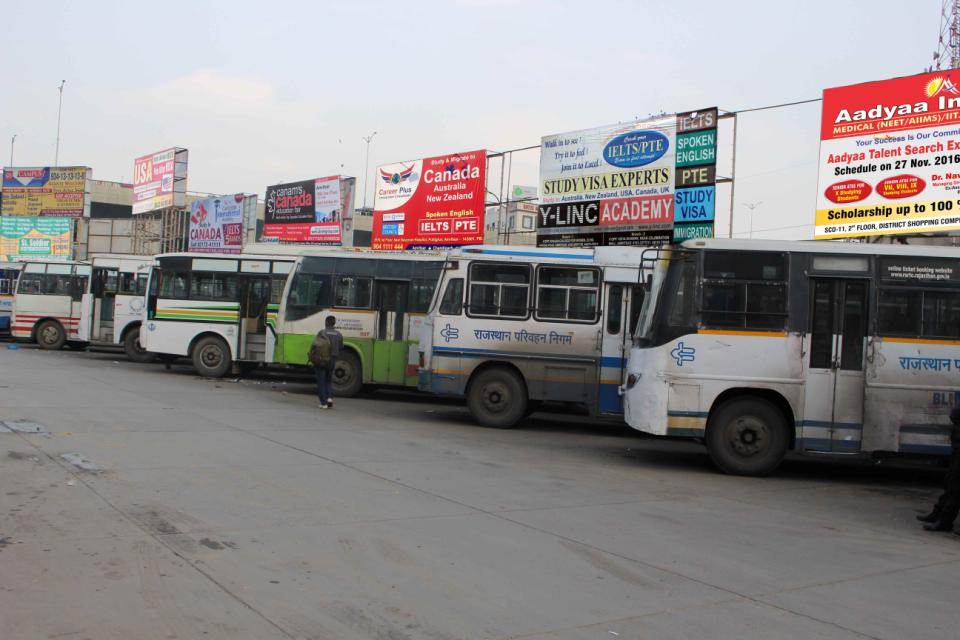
x=423, y=360
x=632, y=380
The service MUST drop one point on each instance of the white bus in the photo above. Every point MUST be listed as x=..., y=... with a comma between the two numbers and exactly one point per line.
x=9, y=272
x=512, y=327
x=758, y=348
x=97, y=302
x=241, y=310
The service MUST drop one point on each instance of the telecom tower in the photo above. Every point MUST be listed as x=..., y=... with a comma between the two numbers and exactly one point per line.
x=947, y=54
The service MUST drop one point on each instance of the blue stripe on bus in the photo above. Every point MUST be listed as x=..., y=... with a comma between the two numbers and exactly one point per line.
x=470, y=352
x=926, y=429
x=929, y=449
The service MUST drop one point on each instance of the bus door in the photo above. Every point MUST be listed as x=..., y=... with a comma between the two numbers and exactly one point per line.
x=835, y=380
x=389, y=348
x=622, y=310
x=254, y=293
x=103, y=290
x=81, y=303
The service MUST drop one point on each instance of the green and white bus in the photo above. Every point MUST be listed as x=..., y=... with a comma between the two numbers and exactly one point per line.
x=235, y=312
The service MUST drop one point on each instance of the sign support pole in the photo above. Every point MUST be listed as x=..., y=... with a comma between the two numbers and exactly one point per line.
x=733, y=174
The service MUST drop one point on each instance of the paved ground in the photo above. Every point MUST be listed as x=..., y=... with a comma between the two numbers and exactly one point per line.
x=239, y=510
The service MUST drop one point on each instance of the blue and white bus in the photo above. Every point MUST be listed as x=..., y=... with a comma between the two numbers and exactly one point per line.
x=512, y=327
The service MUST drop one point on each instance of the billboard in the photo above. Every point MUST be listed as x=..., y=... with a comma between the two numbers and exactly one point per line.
x=159, y=180
x=890, y=157
x=216, y=224
x=46, y=191
x=432, y=202
x=33, y=237
x=308, y=211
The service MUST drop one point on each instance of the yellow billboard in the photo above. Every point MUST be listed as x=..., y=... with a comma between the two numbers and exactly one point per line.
x=46, y=191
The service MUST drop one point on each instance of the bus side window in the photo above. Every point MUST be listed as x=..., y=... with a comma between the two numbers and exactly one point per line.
x=309, y=294
x=941, y=314
x=499, y=290
x=614, y=309
x=637, y=295
x=174, y=285
x=452, y=302
x=30, y=283
x=421, y=291
x=353, y=292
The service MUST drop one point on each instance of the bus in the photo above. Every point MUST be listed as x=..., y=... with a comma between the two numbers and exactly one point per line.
x=759, y=348
x=98, y=302
x=48, y=305
x=9, y=272
x=513, y=327
x=236, y=312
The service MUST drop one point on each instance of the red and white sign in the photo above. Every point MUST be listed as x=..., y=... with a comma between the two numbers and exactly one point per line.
x=890, y=157
x=308, y=211
x=153, y=181
x=432, y=202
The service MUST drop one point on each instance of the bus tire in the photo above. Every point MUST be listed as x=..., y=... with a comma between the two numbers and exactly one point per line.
x=135, y=352
x=347, y=378
x=497, y=398
x=50, y=335
x=211, y=357
x=747, y=437
x=76, y=345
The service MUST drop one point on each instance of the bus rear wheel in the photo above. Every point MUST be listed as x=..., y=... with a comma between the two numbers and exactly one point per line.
x=211, y=357
x=347, y=378
x=134, y=350
x=497, y=398
x=747, y=437
x=51, y=336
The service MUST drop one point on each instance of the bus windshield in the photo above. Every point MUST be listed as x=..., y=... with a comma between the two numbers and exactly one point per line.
x=669, y=309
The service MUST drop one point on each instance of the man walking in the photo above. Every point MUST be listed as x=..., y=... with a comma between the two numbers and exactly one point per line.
x=323, y=355
x=948, y=506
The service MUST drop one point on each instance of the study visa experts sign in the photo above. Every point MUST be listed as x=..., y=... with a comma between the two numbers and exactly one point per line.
x=46, y=191
x=609, y=185
x=890, y=157
x=432, y=202
x=216, y=224
x=308, y=211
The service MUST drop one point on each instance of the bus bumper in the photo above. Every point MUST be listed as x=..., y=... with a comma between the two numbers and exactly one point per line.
x=438, y=383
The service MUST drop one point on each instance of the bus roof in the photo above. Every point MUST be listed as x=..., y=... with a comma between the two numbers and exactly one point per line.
x=823, y=246
x=226, y=256
x=603, y=256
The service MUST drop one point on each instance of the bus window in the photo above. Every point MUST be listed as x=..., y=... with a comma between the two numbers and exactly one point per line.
x=310, y=293
x=676, y=313
x=499, y=290
x=452, y=302
x=421, y=291
x=353, y=292
x=567, y=293
x=637, y=296
x=744, y=290
x=898, y=312
x=276, y=288
x=941, y=314
x=132, y=284
x=854, y=325
x=615, y=309
x=30, y=283
x=209, y=285
x=174, y=285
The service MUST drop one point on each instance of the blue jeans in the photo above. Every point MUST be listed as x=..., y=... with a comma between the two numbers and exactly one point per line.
x=324, y=374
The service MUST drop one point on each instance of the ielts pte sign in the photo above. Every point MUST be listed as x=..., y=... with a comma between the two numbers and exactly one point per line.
x=437, y=201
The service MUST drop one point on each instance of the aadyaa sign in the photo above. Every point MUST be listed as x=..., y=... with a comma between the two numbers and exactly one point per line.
x=609, y=185
x=436, y=201
x=890, y=157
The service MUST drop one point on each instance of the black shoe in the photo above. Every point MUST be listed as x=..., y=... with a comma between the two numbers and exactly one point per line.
x=933, y=516
x=940, y=525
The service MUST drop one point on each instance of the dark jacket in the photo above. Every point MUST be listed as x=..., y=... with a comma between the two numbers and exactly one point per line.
x=336, y=341
x=955, y=432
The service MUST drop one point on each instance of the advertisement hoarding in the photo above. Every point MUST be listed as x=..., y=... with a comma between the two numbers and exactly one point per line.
x=609, y=185
x=432, y=202
x=308, y=211
x=33, y=237
x=159, y=180
x=890, y=157
x=46, y=191
x=216, y=224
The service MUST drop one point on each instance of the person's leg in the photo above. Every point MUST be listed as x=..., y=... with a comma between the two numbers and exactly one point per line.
x=329, y=383
x=321, y=374
x=949, y=502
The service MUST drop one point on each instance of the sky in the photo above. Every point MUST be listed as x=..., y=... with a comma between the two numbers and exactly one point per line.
x=262, y=93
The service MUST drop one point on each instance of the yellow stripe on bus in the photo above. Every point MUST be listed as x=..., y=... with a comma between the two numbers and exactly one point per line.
x=919, y=340
x=741, y=332
x=687, y=422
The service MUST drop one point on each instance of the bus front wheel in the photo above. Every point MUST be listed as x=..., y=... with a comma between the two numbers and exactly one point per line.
x=747, y=437
x=347, y=379
x=51, y=336
x=134, y=350
x=211, y=357
x=497, y=398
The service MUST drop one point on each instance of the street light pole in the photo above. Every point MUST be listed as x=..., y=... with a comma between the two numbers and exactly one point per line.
x=56, y=155
x=12, y=140
x=752, y=206
x=366, y=167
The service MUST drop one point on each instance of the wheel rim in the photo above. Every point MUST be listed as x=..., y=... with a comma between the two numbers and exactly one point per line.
x=495, y=397
x=137, y=347
x=747, y=436
x=211, y=356
x=49, y=334
x=343, y=374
